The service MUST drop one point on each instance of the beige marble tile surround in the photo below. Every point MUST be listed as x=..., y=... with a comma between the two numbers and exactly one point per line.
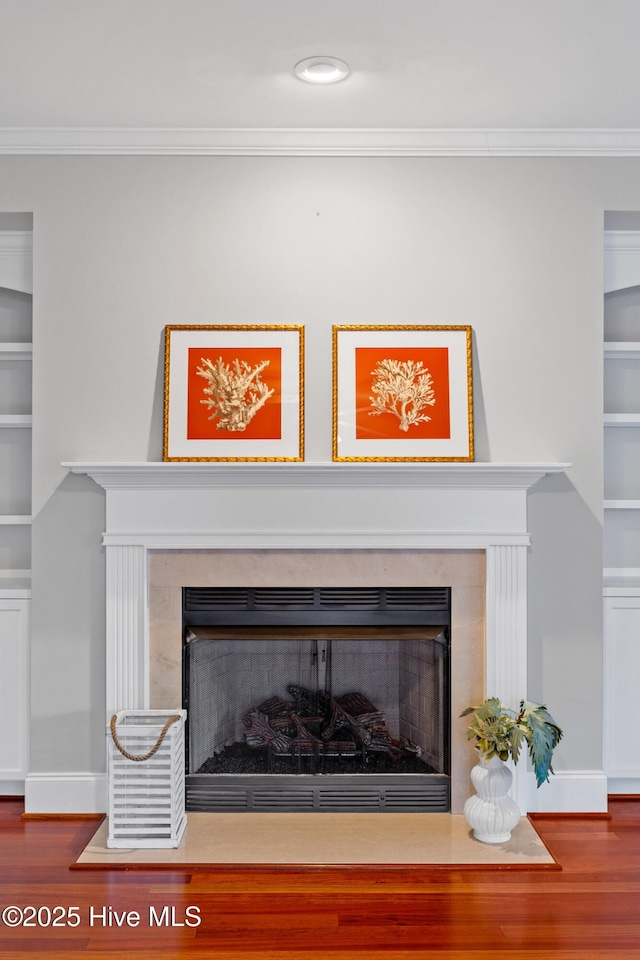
x=462, y=570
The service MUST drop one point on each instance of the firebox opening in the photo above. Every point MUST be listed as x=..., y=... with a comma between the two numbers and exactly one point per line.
x=317, y=699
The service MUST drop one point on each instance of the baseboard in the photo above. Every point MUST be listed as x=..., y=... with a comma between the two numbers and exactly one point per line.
x=569, y=791
x=65, y=793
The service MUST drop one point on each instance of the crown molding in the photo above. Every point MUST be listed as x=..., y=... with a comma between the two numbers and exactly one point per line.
x=621, y=259
x=348, y=142
x=622, y=241
x=16, y=260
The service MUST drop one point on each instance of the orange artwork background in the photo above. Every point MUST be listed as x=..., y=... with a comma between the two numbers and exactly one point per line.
x=267, y=422
x=386, y=425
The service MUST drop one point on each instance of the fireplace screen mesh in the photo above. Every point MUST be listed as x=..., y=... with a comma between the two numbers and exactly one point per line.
x=329, y=705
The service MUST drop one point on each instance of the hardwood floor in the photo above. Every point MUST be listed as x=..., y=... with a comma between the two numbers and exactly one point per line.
x=588, y=910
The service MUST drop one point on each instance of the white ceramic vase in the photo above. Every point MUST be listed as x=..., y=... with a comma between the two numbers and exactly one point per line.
x=491, y=812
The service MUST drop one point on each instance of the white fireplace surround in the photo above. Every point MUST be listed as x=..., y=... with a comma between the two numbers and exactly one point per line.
x=307, y=506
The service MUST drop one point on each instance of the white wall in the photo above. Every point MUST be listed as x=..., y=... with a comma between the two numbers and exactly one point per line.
x=126, y=245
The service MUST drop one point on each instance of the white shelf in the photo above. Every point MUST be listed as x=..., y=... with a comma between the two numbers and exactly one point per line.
x=16, y=351
x=20, y=420
x=622, y=419
x=621, y=581
x=15, y=519
x=15, y=584
x=16, y=587
x=621, y=350
x=632, y=589
x=194, y=474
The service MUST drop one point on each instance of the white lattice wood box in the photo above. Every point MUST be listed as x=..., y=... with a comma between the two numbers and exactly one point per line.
x=146, y=798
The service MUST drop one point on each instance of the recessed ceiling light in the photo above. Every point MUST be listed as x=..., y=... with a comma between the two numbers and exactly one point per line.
x=321, y=70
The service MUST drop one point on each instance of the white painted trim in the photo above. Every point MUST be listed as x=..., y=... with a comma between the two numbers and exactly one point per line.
x=193, y=474
x=620, y=579
x=16, y=351
x=315, y=540
x=329, y=142
x=65, y=793
x=16, y=654
x=16, y=259
x=127, y=628
x=569, y=791
x=15, y=584
x=621, y=419
x=621, y=260
x=506, y=638
x=621, y=758
x=621, y=351
x=631, y=590
x=622, y=242
x=17, y=421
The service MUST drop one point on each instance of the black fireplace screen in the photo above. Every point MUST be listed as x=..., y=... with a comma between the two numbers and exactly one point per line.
x=316, y=683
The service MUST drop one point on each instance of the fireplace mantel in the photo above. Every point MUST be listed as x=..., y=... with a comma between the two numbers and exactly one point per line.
x=316, y=505
x=367, y=474
x=306, y=507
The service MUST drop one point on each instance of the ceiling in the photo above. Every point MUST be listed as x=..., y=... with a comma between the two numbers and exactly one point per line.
x=417, y=65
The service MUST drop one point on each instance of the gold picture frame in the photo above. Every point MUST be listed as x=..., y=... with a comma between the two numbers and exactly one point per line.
x=233, y=393
x=402, y=393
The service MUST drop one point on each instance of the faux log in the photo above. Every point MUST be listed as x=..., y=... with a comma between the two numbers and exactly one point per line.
x=356, y=705
x=284, y=726
x=305, y=742
x=260, y=733
x=340, y=718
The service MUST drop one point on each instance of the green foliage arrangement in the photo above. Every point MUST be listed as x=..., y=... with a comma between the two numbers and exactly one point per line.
x=500, y=731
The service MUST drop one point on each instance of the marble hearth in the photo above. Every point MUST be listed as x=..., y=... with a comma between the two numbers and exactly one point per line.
x=462, y=525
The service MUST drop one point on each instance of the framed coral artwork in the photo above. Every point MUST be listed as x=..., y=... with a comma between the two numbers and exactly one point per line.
x=402, y=393
x=234, y=393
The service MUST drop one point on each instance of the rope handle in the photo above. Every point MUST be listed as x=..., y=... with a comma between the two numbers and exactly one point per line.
x=146, y=756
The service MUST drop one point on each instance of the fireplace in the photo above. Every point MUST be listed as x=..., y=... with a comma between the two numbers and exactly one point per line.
x=317, y=699
x=320, y=523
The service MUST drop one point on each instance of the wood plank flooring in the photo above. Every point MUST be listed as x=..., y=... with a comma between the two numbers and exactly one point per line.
x=588, y=911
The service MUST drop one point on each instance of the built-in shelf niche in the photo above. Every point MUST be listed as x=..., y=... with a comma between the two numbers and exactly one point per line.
x=16, y=391
x=621, y=423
